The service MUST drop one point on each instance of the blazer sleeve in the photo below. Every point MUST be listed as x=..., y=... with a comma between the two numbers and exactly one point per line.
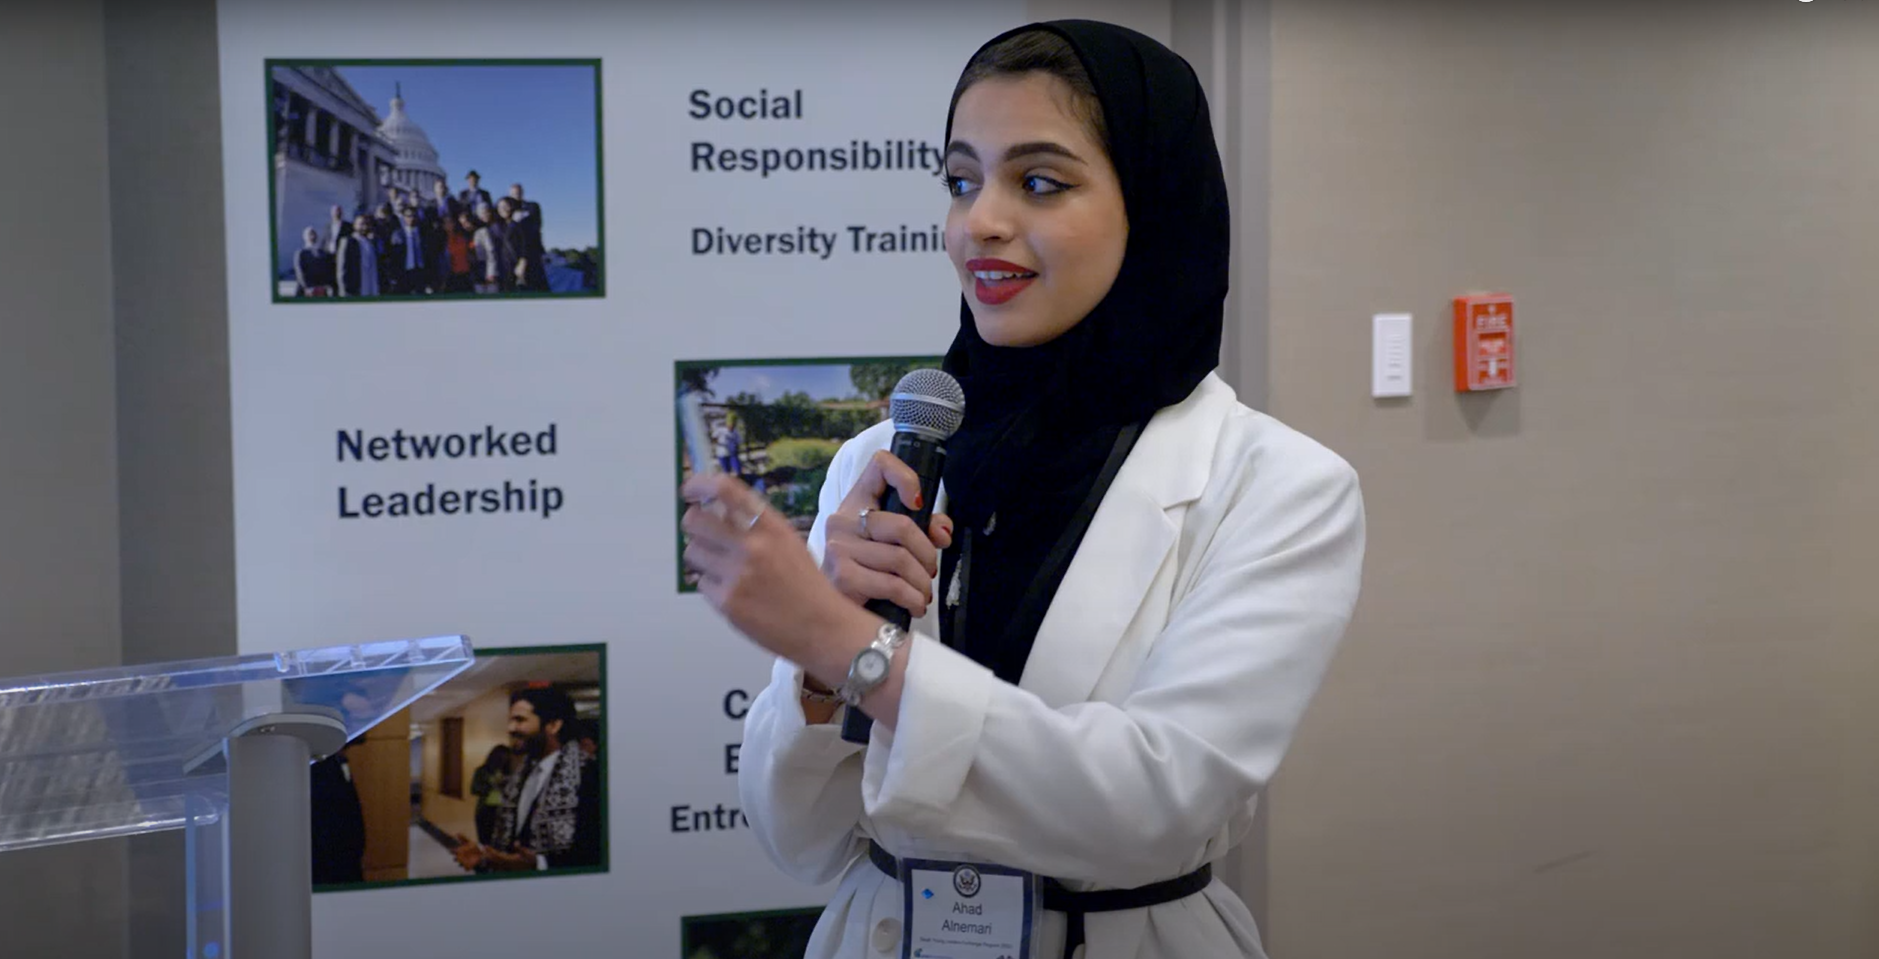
x=1129, y=793
x=800, y=784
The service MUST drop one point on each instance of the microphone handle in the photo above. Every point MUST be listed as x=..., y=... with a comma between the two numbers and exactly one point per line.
x=928, y=459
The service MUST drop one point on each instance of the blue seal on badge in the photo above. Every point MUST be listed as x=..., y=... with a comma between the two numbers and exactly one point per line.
x=966, y=881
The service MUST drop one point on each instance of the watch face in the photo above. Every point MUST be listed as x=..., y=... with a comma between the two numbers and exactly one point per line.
x=871, y=666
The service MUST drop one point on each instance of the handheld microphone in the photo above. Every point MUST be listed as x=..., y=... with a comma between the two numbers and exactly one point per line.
x=927, y=406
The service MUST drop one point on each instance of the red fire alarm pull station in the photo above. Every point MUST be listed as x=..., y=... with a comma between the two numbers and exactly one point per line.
x=1484, y=342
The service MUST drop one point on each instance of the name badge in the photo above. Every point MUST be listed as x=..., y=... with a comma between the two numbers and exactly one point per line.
x=968, y=910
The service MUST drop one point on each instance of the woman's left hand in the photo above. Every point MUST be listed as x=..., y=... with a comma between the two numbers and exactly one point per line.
x=757, y=572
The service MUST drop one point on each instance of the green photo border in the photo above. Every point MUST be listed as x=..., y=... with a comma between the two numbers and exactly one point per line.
x=606, y=782
x=600, y=174
x=686, y=945
x=678, y=432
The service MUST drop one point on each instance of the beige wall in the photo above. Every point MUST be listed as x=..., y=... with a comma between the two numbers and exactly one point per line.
x=454, y=816
x=485, y=726
x=1613, y=688
x=1151, y=17
x=381, y=772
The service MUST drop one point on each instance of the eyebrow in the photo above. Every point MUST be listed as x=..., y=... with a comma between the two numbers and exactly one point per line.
x=1031, y=148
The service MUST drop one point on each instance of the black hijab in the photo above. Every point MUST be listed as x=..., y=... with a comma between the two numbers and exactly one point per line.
x=1042, y=421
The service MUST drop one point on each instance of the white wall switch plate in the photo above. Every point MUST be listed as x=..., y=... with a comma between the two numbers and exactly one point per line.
x=1390, y=349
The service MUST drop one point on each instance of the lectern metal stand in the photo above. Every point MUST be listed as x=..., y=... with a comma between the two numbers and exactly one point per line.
x=270, y=863
x=218, y=748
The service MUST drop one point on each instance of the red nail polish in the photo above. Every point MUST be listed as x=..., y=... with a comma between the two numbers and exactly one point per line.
x=919, y=501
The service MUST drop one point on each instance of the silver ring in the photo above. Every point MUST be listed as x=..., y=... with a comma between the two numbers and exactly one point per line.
x=756, y=516
x=864, y=523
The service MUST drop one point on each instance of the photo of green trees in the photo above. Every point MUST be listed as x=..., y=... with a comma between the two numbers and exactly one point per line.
x=782, y=934
x=778, y=423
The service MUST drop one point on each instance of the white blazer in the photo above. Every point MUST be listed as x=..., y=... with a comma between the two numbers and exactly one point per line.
x=1191, y=629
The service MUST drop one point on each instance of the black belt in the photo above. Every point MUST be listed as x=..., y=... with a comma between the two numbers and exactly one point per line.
x=1058, y=898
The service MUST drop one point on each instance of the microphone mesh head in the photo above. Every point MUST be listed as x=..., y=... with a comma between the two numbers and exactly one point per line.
x=929, y=402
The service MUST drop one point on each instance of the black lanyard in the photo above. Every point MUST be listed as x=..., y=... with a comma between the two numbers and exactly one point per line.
x=1036, y=602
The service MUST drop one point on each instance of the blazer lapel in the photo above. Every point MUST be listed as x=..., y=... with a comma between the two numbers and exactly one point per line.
x=1129, y=539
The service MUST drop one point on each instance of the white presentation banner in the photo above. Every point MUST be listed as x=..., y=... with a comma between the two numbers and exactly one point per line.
x=453, y=413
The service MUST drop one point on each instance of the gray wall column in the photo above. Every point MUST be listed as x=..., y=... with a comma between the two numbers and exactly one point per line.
x=175, y=507
x=1227, y=41
x=58, y=461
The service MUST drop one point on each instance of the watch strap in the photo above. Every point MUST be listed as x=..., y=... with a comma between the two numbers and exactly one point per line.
x=887, y=640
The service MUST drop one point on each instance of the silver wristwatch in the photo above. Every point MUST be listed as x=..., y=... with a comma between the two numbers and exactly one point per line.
x=871, y=666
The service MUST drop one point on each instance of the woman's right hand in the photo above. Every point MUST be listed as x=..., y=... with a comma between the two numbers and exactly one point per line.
x=895, y=560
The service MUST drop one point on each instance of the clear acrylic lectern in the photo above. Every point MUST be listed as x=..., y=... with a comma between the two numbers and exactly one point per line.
x=219, y=748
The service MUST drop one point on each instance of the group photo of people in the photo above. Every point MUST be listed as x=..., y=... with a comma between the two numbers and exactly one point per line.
x=497, y=772
x=409, y=246
x=366, y=206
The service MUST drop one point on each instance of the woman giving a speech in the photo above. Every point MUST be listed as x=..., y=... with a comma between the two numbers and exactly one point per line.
x=1087, y=716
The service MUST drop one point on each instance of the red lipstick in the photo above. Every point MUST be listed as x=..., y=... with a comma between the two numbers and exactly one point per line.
x=1008, y=279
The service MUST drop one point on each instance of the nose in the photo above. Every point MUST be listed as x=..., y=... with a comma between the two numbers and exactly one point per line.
x=990, y=218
